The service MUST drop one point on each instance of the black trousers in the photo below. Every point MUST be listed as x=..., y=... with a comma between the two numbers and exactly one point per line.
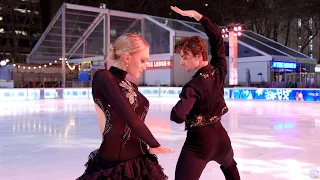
x=204, y=144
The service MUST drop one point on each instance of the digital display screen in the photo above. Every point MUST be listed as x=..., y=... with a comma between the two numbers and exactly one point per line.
x=229, y=93
x=268, y=94
x=243, y=94
x=283, y=65
x=303, y=95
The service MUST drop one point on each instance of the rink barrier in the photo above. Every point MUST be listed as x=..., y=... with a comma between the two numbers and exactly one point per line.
x=229, y=93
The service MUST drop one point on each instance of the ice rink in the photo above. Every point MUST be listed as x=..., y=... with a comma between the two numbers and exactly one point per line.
x=51, y=139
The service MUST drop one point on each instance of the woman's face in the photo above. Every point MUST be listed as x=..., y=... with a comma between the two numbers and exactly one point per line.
x=137, y=62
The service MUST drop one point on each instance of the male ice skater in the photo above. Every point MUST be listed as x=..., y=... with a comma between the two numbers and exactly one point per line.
x=202, y=104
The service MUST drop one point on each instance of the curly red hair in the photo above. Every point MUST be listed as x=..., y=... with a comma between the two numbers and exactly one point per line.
x=193, y=44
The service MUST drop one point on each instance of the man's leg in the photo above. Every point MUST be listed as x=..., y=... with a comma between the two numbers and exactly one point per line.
x=189, y=166
x=230, y=170
x=225, y=157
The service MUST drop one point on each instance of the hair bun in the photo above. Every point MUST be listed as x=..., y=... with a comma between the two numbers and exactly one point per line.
x=111, y=53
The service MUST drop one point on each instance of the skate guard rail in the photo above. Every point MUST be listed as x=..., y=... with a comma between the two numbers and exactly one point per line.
x=229, y=93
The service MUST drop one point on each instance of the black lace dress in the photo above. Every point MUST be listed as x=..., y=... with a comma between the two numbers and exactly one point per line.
x=123, y=153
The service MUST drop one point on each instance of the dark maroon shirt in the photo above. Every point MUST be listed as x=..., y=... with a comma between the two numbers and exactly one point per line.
x=125, y=135
x=202, y=98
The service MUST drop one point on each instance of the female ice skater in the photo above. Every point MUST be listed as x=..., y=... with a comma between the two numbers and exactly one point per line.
x=121, y=111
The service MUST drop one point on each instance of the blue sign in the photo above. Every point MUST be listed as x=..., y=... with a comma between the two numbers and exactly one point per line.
x=283, y=65
x=303, y=95
x=268, y=94
x=317, y=95
x=83, y=76
x=243, y=94
x=281, y=126
x=312, y=95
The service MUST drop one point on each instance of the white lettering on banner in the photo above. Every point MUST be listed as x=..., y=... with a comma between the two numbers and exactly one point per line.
x=159, y=64
x=314, y=94
x=286, y=65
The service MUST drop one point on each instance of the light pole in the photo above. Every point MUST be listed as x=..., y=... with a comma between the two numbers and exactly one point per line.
x=232, y=32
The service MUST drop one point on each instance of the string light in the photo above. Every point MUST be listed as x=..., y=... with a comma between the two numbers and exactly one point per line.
x=50, y=64
x=3, y=62
x=71, y=68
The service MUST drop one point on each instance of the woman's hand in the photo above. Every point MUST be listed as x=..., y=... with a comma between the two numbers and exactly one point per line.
x=160, y=150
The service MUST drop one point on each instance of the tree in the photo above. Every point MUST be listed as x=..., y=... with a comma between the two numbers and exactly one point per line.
x=275, y=19
x=19, y=24
x=311, y=33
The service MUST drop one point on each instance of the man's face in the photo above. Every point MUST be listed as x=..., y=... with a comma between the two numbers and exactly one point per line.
x=188, y=61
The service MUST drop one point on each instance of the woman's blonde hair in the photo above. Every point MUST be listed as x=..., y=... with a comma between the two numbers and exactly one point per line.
x=126, y=43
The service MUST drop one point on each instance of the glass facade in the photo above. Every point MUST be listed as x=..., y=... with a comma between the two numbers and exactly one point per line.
x=88, y=33
x=303, y=73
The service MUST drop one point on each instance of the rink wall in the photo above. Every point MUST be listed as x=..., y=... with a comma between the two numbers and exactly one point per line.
x=229, y=93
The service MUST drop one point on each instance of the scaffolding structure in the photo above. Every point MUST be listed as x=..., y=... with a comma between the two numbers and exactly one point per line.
x=77, y=33
x=80, y=33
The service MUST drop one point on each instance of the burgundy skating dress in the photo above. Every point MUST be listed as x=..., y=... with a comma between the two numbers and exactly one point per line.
x=123, y=153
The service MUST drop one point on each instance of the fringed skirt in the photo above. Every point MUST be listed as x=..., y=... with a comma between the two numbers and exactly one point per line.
x=145, y=167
